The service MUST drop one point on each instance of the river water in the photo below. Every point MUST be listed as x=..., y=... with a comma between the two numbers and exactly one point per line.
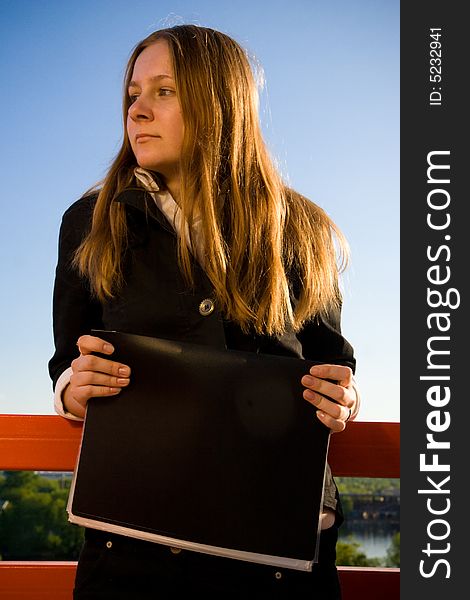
x=374, y=538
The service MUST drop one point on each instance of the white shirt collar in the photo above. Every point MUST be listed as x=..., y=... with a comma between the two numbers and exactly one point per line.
x=166, y=203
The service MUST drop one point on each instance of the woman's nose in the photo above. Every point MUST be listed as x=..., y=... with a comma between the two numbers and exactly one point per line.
x=140, y=111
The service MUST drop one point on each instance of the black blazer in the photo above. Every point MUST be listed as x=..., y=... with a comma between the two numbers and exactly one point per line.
x=156, y=301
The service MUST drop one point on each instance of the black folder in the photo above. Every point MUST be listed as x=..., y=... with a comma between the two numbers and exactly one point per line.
x=206, y=450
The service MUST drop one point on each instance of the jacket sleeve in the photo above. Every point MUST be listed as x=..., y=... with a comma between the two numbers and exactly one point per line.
x=74, y=311
x=322, y=340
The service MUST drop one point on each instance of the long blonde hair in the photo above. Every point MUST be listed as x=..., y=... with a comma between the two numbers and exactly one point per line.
x=262, y=239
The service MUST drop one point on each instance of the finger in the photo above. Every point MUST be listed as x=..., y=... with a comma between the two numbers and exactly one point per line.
x=336, y=392
x=89, y=343
x=90, y=362
x=83, y=393
x=339, y=373
x=84, y=378
x=319, y=401
x=334, y=410
x=335, y=425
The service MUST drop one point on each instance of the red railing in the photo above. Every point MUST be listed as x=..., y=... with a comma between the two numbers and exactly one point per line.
x=50, y=443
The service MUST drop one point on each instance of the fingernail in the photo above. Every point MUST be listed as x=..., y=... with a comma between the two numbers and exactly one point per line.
x=124, y=371
x=321, y=414
x=316, y=370
x=307, y=380
x=123, y=381
x=108, y=348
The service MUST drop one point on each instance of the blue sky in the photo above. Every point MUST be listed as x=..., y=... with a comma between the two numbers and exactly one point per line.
x=329, y=112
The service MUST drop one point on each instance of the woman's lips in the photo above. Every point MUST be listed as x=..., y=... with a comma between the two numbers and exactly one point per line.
x=145, y=137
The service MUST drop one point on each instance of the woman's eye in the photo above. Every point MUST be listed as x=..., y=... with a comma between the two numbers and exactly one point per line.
x=161, y=92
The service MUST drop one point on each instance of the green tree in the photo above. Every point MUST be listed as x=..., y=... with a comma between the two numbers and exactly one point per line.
x=393, y=552
x=367, y=485
x=349, y=554
x=33, y=519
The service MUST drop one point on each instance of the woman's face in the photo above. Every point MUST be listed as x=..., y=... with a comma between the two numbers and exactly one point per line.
x=154, y=121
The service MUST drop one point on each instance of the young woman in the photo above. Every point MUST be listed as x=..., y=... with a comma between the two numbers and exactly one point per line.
x=193, y=236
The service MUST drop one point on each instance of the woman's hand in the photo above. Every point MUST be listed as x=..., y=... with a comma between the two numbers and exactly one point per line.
x=336, y=412
x=93, y=376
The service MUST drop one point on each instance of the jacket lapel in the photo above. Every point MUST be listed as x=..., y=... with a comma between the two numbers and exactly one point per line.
x=142, y=200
